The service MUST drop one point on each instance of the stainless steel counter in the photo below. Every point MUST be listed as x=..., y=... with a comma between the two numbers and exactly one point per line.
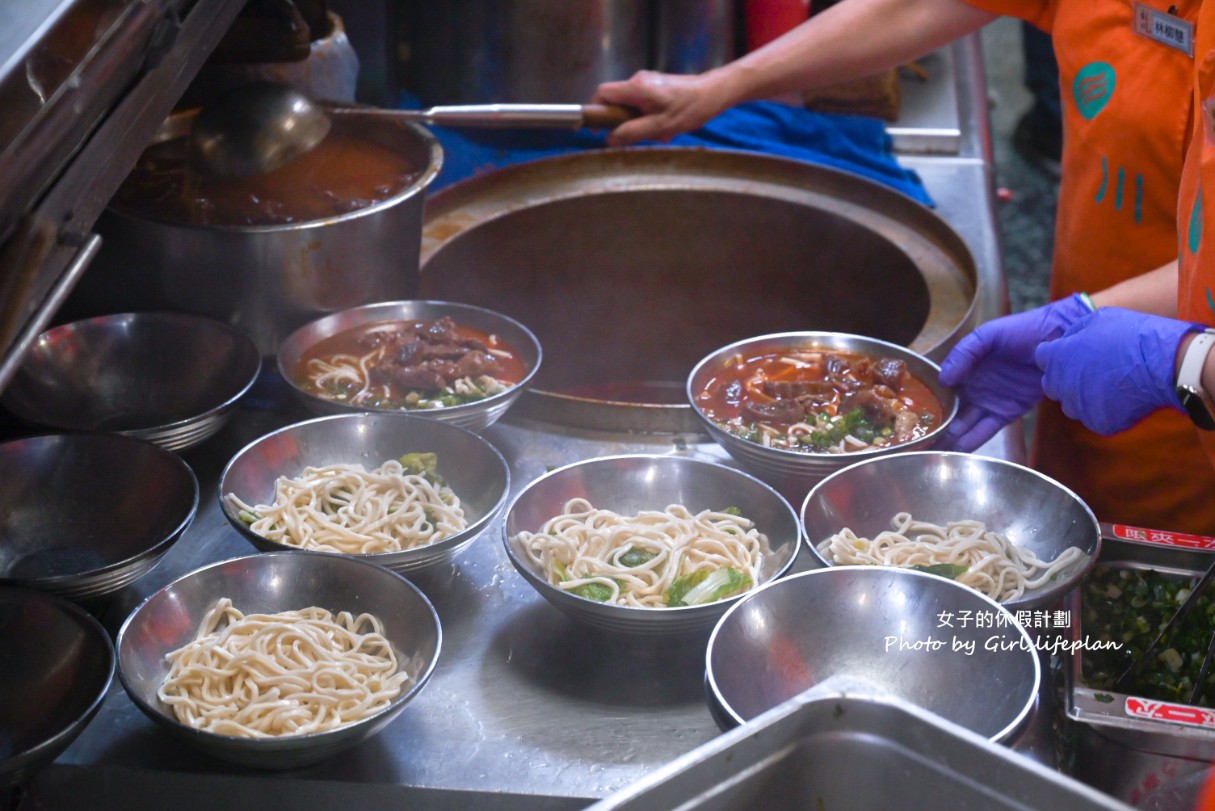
x=525, y=709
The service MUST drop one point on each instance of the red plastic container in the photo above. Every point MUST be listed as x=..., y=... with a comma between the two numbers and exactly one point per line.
x=768, y=19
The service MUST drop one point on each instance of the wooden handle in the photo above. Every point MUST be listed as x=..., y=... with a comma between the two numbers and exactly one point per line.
x=607, y=116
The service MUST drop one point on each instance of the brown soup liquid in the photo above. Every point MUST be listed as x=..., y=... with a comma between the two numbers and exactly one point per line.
x=343, y=173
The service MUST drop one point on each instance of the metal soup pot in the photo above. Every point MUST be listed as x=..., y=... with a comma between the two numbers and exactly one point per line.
x=266, y=280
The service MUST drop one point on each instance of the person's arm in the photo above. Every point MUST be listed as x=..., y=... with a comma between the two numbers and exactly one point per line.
x=1153, y=292
x=849, y=40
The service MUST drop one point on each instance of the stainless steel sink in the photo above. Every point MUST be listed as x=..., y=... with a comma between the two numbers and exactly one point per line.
x=836, y=752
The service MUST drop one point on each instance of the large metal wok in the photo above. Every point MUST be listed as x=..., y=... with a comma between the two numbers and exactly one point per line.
x=631, y=265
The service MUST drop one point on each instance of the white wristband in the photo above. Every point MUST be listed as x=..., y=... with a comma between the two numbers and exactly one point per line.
x=1194, y=398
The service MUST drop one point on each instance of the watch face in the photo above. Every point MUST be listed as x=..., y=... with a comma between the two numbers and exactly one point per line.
x=1196, y=407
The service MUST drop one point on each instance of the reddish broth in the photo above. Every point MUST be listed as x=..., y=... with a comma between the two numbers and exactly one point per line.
x=741, y=381
x=509, y=367
x=343, y=173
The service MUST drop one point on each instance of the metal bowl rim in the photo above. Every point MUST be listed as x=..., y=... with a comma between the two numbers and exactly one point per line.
x=447, y=411
x=247, y=355
x=95, y=628
x=469, y=533
x=805, y=456
x=1056, y=588
x=284, y=741
x=1027, y=642
x=637, y=611
x=153, y=552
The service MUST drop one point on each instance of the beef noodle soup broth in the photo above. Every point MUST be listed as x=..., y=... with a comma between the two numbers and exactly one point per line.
x=820, y=401
x=345, y=172
x=408, y=365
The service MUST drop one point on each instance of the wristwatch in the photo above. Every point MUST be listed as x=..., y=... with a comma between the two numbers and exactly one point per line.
x=1194, y=398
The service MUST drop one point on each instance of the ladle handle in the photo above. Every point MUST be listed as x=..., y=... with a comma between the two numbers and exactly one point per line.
x=607, y=116
x=597, y=116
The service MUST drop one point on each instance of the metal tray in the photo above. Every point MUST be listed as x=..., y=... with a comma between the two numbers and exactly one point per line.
x=822, y=751
x=1153, y=725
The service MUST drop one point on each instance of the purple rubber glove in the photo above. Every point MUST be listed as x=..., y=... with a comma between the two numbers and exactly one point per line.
x=994, y=372
x=1114, y=367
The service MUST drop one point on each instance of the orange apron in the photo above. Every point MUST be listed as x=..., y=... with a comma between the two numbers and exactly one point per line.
x=1126, y=110
x=1196, y=292
x=1196, y=283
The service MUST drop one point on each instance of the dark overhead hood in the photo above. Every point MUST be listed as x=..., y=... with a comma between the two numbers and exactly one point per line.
x=83, y=85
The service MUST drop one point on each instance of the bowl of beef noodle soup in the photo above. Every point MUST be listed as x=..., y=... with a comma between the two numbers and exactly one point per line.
x=452, y=362
x=794, y=407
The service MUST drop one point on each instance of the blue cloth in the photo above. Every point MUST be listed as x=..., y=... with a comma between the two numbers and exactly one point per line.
x=851, y=143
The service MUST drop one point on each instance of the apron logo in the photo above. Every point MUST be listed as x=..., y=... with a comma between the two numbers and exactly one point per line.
x=1196, y=224
x=1093, y=87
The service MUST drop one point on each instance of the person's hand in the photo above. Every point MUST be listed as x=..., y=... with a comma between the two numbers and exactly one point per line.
x=670, y=105
x=994, y=372
x=1113, y=367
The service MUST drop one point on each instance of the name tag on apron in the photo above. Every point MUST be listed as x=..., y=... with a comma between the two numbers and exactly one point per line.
x=1164, y=28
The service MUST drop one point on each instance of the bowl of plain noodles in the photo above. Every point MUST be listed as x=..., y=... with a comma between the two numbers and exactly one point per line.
x=397, y=490
x=280, y=660
x=649, y=544
x=447, y=361
x=1006, y=531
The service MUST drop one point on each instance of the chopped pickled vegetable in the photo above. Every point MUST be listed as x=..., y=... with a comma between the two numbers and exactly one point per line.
x=1130, y=607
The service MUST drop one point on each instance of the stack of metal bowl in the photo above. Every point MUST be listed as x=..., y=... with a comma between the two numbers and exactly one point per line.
x=628, y=485
x=268, y=584
x=794, y=471
x=1032, y=510
x=55, y=670
x=83, y=515
x=474, y=470
x=169, y=378
x=475, y=416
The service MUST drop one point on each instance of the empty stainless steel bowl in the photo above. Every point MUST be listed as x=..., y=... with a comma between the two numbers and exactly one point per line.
x=55, y=670
x=473, y=468
x=273, y=583
x=474, y=416
x=793, y=471
x=169, y=378
x=628, y=484
x=83, y=515
x=924, y=639
x=1032, y=510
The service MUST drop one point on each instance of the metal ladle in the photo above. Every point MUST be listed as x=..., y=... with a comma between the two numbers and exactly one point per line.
x=262, y=126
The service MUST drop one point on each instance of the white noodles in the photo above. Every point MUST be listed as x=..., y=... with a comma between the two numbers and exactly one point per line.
x=585, y=545
x=291, y=673
x=343, y=508
x=994, y=565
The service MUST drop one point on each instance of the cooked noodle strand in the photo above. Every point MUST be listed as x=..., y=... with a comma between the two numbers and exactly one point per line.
x=346, y=509
x=290, y=673
x=994, y=565
x=585, y=545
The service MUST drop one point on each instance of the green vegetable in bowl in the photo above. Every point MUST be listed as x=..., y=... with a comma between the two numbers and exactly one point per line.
x=703, y=586
x=950, y=570
x=635, y=556
x=599, y=592
x=425, y=465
